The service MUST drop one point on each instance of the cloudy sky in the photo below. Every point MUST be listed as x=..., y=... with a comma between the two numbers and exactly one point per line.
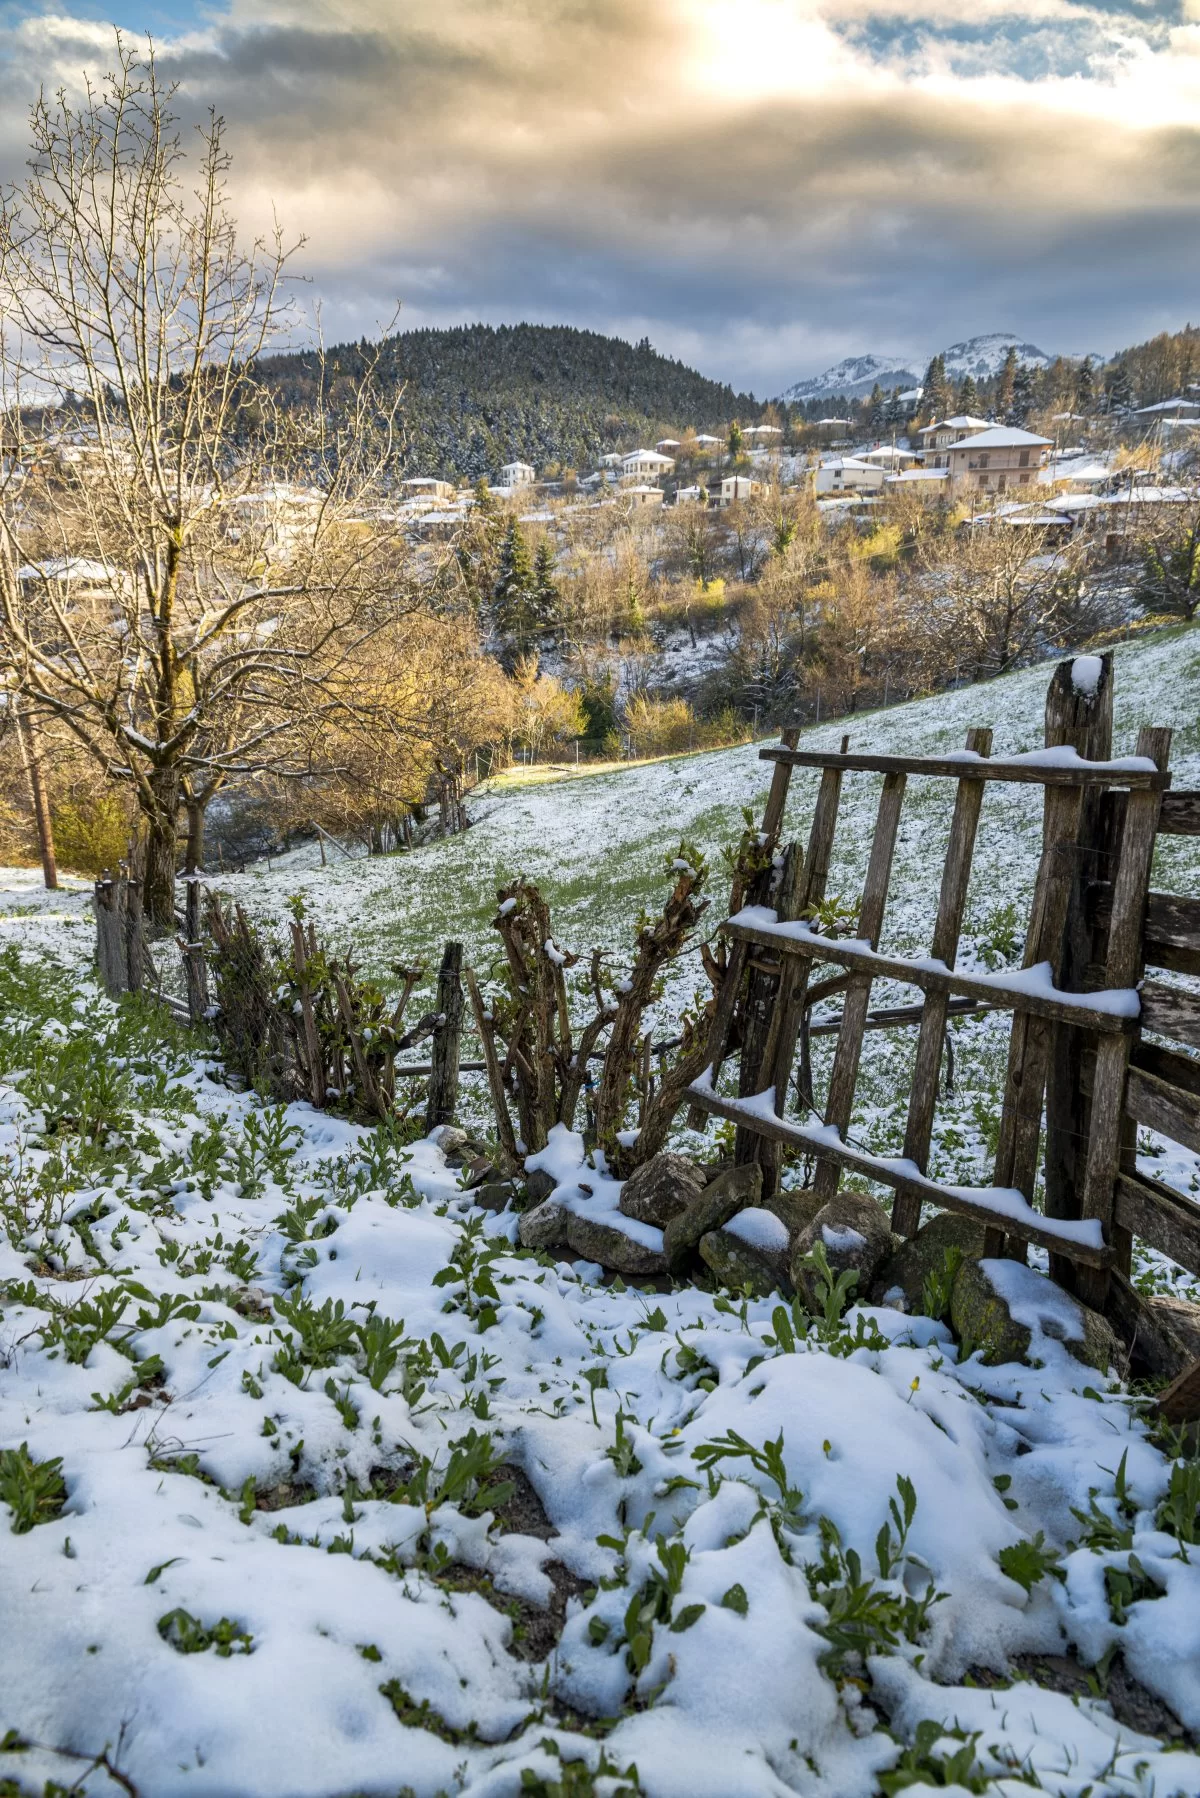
x=760, y=186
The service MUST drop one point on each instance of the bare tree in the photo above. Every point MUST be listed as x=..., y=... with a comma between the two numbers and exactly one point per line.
x=183, y=565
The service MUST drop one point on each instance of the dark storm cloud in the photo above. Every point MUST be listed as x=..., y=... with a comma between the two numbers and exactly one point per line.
x=853, y=186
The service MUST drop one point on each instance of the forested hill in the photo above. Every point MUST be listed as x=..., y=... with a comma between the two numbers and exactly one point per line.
x=477, y=396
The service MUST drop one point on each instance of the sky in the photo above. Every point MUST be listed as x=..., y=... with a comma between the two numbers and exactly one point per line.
x=761, y=187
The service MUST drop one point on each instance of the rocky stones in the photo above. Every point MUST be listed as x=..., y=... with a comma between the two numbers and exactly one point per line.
x=545, y=1227
x=494, y=1195
x=750, y=1250
x=598, y=1240
x=855, y=1233
x=660, y=1189
x=720, y=1200
x=476, y=1170
x=539, y=1185
x=997, y=1306
x=924, y=1255
x=453, y=1142
x=795, y=1209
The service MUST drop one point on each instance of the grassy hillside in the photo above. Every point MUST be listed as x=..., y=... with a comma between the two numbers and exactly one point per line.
x=597, y=846
x=478, y=396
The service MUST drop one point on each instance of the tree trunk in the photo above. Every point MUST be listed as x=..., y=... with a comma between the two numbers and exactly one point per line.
x=443, y=1077
x=194, y=967
x=27, y=740
x=161, y=829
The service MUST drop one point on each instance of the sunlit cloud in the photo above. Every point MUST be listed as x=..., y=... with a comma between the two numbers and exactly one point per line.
x=758, y=185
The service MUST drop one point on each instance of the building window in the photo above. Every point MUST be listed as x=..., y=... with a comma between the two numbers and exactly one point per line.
x=982, y=462
x=1001, y=484
x=1024, y=458
x=983, y=480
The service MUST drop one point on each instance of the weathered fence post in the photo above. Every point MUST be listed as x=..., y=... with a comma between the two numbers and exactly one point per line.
x=1081, y=720
x=195, y=967
x=447, y=1037
x=111, y=961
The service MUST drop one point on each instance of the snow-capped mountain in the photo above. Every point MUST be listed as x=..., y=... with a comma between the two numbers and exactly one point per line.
x=855, y=376
x=984, y=357
x=981, y=357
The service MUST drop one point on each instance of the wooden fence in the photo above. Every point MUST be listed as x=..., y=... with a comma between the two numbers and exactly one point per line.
x=1096, y=1044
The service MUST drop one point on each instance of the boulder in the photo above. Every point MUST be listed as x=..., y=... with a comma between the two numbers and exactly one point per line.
x=796, y=1209
x=752, y=1246
x=598, y=1240
x=494, y=1195
x=660, y=1189
x=476, y=1171
x=453, y=1142
x=856, y=1234
x=1001, y=1325
x=924, y=1254
x=545, y=1227
x=728, y=1194
x=539, y=1185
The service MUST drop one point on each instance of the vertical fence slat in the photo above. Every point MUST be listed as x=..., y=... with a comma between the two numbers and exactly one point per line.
x=952, y=899
x=844, y=1077
x=442, y=1097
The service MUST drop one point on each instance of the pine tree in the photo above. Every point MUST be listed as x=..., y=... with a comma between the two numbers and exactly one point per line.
x=1085, y=387
x=936, y=395
x=877, y=407
x=1119, y=386
x=545, y=587
x=1006, y=386
x=1023, y=396
x=968, y=397
x=514, y=595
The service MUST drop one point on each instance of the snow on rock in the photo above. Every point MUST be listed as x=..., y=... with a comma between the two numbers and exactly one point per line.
x=759, y=1229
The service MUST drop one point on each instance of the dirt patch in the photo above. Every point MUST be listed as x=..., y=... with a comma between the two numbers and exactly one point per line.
x=1132, y=1703
x=287, y=1493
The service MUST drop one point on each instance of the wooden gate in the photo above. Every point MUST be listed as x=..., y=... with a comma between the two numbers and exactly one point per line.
x=1075, y=1005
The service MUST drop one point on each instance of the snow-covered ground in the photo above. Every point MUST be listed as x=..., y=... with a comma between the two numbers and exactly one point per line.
x=280, y=1360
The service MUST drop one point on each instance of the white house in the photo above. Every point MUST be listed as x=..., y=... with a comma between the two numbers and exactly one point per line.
x=612, y=460
x=762, y=433
x=707, y=441
x=76, y=580
x=850, y=474
x=737, y=487
x=998, y=458
x=425, y=487
x=886, y=455
x=937, y=438
x=665, y=445
x=639, y=495
x=1180, y=407
x=691, y=496
x=517, y=474
x=643, y=464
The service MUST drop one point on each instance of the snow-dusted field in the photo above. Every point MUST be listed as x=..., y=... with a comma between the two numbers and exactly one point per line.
x=285, y=1369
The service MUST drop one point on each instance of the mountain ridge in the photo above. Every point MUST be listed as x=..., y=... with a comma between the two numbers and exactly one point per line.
x=981, y=357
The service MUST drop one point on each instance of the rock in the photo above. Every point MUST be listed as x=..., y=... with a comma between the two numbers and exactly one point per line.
x=597, y=1240
x=712, y=1170
x=660, y=1189
x=539, y=1185
x=796, y=1209
x=476, y=1170
x=453, y=1143
x=737, y=1265
x=855, y=1232
x=1180, y=1320
x=494, y=1195
x=925, y=1253
x=1002, y=1327
x=729, y=1193
x=980, y=1318
x=545, y=1227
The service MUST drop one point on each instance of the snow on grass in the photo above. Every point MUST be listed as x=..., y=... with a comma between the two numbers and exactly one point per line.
x=262, y=1378
x=263, y=1375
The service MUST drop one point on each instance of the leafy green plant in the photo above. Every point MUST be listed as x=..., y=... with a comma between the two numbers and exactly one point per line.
x=1127, y=1586
x=34, y=1491
x=1101, y=1533
x=1179, y=1512
x=469, y=1270
x=832, y=1292
x=939, y=1283
x=925, y=1762
x=187, y=1635
x=323, y=1334
x=787, y=1512
x=1029, y=1562
x=466, y=1480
